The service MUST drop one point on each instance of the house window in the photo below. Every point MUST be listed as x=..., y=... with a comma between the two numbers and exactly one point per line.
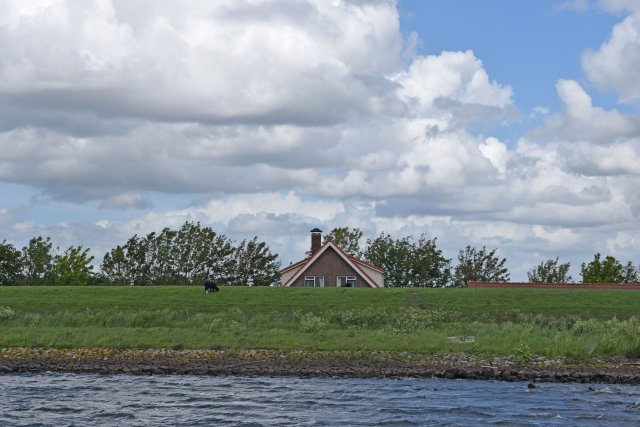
x=314, y=281
x=346, y=281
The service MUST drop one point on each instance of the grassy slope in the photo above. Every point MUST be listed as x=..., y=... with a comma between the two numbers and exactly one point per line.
x=474, y=302
x=184, y=317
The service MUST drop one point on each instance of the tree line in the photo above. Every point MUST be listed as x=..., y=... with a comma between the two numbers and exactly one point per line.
x=187, y=256
x=410, y=262
x=195, y=253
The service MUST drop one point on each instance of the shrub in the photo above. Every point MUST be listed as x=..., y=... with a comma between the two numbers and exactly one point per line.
x=522, y=354
x=400, y=321
x=6, y=313
x=216, y=324
x=584, y=327
x=363, y=318
x=414, y=319
x=312, y=324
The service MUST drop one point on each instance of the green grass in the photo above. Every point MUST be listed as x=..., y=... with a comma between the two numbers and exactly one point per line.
x=553, y=323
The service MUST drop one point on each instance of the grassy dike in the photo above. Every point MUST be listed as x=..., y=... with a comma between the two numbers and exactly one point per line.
x=520, y=323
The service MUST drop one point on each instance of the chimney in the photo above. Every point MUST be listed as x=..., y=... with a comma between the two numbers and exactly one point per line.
x=316, y=240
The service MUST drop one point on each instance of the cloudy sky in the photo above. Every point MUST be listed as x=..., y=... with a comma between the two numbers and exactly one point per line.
x=513, y=125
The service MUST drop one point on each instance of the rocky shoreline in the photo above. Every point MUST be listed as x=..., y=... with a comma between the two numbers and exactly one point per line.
x=312, y=364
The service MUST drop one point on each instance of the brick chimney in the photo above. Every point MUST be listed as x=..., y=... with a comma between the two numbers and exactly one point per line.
x=316, y=240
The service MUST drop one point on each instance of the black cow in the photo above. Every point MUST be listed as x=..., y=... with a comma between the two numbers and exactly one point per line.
x=210, y=286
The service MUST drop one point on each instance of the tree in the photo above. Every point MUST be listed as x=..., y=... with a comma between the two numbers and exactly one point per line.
x=136, y=250
x=73, y=267
x=255, y=265
x=550, y=271
x=630, y=274
x=608, y=270
x=426, y=266
x=392, y=256
x=10, y=264
x=114, y=267
x=163, y=260
x=187, y=256
x=479, y=265
x=201, y=254
x=407, y=263
x=347, y=239
x=218, y=261
x=37, y=261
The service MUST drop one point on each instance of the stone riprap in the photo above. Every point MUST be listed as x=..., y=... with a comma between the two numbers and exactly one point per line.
x=317, y=364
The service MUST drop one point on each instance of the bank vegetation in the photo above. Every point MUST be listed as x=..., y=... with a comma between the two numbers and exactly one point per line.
x=520, y=323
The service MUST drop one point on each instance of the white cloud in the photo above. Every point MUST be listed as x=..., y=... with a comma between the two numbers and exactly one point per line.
x=126, y=200
x=496, y=152
x=581, y=121
x=557, y=237
x=618, y=159
x=453, y=76
x=619, y=5
x=218, y=99
x=623, y=241
x=225, y=209
x=254, y=61
x=615, y=65
x=575, y=5
x=539, y=111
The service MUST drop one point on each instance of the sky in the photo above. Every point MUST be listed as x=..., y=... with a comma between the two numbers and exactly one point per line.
x=510, y=125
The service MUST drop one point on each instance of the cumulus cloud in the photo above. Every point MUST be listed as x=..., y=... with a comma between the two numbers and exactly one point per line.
x=376, y=154
x=433, y=84
x=617, y=159
x=496, y=152
x=265, y=62
x=582, y=121
x=614, y=66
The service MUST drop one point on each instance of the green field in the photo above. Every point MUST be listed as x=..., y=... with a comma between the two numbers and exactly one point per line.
x=528, y=322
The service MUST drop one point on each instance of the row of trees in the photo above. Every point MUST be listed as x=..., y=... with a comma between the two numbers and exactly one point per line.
x=37, y=264
x=187, y=256
x=190, y=256
x=194, y=253
x=420, y=263
x=600, y=270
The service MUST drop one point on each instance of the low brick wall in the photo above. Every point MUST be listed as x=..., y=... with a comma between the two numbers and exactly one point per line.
x=515, y=285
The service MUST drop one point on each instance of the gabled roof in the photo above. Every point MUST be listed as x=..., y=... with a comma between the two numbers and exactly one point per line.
x=294, y=265
x=359, y=261
x=352, y=261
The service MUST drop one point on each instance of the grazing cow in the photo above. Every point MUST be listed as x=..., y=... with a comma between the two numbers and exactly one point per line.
x=210, y=286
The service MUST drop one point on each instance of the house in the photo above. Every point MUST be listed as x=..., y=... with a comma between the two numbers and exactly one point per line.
x=329, y=266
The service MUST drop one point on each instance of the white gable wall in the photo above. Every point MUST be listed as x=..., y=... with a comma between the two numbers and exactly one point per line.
x=289, y=274
x=375, y=275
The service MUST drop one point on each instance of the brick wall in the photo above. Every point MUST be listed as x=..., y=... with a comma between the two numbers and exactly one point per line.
x=515, y=285
x=330, y=265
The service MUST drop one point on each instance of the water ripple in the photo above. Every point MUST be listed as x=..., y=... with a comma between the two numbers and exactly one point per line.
x=95, y=400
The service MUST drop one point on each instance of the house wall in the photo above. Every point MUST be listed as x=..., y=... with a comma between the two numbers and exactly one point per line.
x=284, y=278
x=375, y=275
x=331, y=265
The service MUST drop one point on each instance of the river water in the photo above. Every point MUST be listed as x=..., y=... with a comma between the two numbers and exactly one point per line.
x=96, y=400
